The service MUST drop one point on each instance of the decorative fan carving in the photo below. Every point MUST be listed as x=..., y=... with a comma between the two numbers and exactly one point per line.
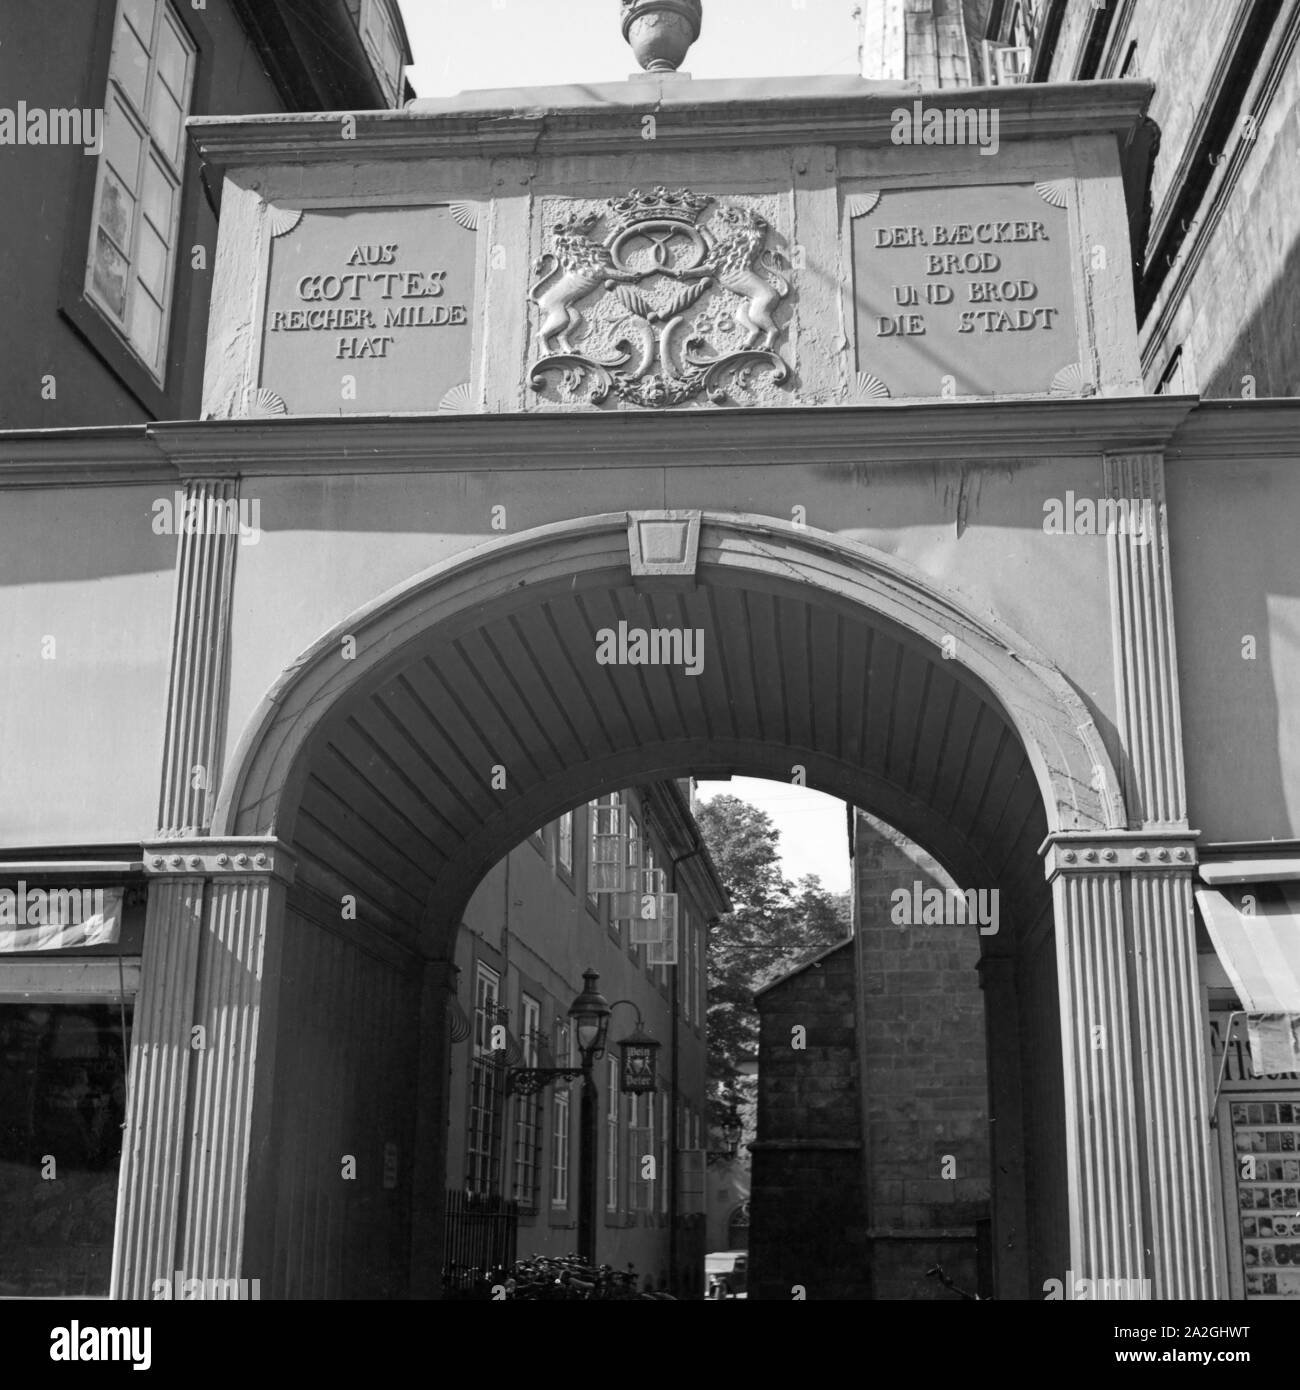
x=282, y=221
x=1056, y=193
x=260, y=402
x=1070, y=381
x=872, y=387
x=465, y=215
x=859, y=204
x=458, y=401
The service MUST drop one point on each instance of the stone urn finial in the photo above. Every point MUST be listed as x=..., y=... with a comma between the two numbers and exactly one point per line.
x=660, y=31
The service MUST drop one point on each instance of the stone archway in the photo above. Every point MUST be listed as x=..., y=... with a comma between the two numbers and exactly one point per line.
x=368, y=770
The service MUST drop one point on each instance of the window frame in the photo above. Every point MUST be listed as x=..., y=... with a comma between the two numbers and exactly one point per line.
x=392, y=84
x=527, y=1118
x=565, y=871
x=81, y=314
x=612, y=1168
x=150, y=153
x=561, y=1150
x=482, y=1163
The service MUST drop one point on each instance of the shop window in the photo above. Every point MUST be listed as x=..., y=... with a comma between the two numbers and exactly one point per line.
x=1258, y=1121
x=63, y=1081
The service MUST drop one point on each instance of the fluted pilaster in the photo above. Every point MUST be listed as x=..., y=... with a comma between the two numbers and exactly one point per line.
x=1146, y=659
x=153, y=1144
x=1175, y=1094
x=196, y=699
x=1101, y=1110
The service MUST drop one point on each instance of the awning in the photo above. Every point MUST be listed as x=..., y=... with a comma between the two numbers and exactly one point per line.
x=1257, y=937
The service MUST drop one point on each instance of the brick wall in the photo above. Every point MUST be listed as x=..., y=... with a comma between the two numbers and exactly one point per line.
x=926, y=1074
x=808, y=1228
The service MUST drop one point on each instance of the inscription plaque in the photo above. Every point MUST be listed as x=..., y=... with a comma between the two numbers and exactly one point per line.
x=964, y=291
x=368, y=311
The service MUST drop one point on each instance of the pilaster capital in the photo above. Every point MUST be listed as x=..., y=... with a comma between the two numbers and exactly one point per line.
x=1133, y=851
x=241, y=856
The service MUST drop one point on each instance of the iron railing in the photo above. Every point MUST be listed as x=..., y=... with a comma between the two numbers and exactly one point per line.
x=481, y=1234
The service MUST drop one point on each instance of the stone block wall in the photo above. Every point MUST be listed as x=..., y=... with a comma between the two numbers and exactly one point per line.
x=925, y=1075
x=808, y=1223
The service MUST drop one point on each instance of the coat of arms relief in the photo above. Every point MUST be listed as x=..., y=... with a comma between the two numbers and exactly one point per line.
x=658, y=298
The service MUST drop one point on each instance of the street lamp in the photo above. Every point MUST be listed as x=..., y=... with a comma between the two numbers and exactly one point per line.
x=732, y=1128
x=589, y=1014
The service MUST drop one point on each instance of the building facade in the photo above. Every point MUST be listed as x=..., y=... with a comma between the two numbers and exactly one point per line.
x=529, y=931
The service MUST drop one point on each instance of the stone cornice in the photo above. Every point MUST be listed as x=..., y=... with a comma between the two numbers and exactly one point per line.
x=594, y=119
x=996, y=430
x=1220, y=430
x=167, y=453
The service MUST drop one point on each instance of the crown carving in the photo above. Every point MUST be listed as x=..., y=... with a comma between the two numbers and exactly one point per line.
x=659, y=205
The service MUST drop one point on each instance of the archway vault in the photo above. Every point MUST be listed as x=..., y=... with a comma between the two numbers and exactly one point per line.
x=377, y=761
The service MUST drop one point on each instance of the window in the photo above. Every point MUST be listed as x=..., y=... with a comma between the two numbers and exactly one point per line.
x=564, y=842
x=641, y=1144
x=379, y=34
x=560, y=1119
x=602, y=817
x=527, y=1109
x=132, y=257
x=648, y=860
x=611, y=1137
x=481, y=1157
x=633, y=859
x=63, y=1074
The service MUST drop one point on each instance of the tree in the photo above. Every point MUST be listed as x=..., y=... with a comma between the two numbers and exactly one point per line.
x=775, y=926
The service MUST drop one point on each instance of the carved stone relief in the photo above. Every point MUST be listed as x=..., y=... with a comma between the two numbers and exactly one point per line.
x=659, y=298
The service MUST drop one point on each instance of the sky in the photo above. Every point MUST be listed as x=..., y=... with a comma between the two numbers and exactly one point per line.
x=814, y=834
x=460, y=45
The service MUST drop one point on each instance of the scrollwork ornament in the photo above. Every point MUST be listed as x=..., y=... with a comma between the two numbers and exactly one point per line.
x=612, y=306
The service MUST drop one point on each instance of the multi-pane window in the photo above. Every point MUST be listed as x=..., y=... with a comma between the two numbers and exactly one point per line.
x=527, y=1112
x=133, y=236
x=379, y=34
x=564, y=842
x=481, y=1156
x=611, y=1137
x=607, y=824
x=633, y=855
x=560, y=1119
x=643, y=1148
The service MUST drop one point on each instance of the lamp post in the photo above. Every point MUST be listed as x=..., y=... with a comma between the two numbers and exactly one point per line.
x=590, y=1013
x=732, y=1129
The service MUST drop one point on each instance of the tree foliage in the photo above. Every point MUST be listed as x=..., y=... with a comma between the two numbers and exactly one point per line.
x=775, y=926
